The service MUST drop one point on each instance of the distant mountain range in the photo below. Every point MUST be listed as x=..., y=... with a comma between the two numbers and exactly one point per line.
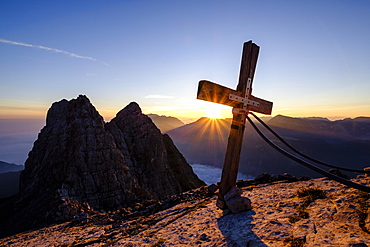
x=165, y=123
x=356, y=128
x=344, y=143
x=9, y=178
x=8, y=167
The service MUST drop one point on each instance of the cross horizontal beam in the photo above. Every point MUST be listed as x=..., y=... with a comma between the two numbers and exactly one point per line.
x=213, y=92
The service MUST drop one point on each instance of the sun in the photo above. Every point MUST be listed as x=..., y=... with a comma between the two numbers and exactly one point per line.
x=214, y=111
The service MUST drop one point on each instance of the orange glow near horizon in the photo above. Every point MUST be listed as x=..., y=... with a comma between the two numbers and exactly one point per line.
x=23, y=112
x=213, y=112
x=192, y=111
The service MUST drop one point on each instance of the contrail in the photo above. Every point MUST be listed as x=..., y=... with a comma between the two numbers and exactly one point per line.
x=52, y=49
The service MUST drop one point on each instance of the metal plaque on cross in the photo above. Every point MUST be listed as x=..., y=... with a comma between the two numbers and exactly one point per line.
x=242, y=102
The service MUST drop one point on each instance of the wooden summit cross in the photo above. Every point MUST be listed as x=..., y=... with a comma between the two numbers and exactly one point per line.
x=242, y=102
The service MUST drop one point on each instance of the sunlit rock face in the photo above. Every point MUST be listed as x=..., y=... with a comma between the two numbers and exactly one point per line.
x=155, y=162
x=78, y=158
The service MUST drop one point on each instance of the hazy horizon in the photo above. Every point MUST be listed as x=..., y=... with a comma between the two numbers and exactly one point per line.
x=186, y=120
x=18, y=135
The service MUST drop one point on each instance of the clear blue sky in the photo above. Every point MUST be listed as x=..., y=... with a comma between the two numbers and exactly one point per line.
x=314, y=58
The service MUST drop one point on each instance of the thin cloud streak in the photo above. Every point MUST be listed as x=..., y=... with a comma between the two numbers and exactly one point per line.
x=53, y=50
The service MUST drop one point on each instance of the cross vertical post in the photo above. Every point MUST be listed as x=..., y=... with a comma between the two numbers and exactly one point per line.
x=242, y=101
x=235, y=140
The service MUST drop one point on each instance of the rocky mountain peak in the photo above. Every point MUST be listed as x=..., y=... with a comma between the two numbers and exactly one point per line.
x=79, y=162
x=132, y=121
x=131, y=109
x=63, y=109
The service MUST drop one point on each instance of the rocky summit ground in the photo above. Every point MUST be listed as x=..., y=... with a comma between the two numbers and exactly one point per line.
x=317, y=212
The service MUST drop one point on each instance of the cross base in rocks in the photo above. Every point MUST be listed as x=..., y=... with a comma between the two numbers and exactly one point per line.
x=235, y=202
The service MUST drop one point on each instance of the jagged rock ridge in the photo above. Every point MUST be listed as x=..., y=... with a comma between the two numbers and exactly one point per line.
x=80, y=163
